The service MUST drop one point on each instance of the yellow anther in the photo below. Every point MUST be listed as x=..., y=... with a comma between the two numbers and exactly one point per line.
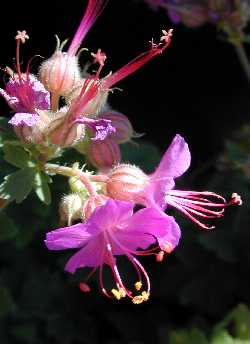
x=116, y=294
x=122, y=292
x=145, y=295
x=137, y=300
x=138, y=285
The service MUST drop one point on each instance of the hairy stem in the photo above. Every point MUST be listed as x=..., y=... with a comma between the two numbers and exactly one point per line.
x=72, y=172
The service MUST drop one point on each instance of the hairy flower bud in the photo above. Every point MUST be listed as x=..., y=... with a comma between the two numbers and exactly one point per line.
x=104, y=154
x=126, y=183
x=91, y=204
x=123, y=128
x=70, y=208
x=94, y=106
x=63, y=132
x=60, y=73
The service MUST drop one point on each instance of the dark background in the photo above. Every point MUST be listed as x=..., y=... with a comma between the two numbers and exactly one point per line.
x=196, y=88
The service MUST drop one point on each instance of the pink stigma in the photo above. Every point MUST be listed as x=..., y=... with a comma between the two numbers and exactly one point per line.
x=99, y=57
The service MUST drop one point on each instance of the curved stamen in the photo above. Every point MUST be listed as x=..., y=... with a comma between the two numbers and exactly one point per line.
x=193, y=203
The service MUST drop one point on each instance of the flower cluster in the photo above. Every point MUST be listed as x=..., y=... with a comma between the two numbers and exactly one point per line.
x=64, y=108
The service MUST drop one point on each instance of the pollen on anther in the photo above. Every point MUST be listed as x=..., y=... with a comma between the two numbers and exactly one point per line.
x=138, y=285
x=116, y=294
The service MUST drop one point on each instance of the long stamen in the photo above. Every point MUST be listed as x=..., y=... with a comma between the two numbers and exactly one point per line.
x=194, y=203
x=94, y=9
x=20, y=37
x=139, y=61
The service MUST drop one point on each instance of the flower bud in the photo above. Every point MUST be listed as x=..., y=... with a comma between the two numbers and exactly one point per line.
x=60, y=73
x=94, y=106
x=104, y=154
x=122, y=125
x=126, y=183
x=91, y=204
x=70, y=208
x=63, y=132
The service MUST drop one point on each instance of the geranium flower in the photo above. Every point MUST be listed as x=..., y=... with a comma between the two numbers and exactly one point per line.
x=113, y=230
x=129, y=183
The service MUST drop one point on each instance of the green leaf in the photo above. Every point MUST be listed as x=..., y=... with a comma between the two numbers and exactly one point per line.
x=16, y=154
x=8, y=229
x=222, y=337
x=195, y=336
x=240, y=318
x=6, y=302
x=42, y=188
x=6, y=132
x=18, y=185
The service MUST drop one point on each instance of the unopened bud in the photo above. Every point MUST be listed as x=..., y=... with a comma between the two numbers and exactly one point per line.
x=127, y=183
x=70, y=208
x=91, y=204
x=60, y=73
x=123, y=128
x=94, y=106
x=63, y=132
x=104, y=154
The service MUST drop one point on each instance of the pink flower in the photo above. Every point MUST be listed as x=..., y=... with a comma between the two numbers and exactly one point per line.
x=25, y=94
x=113, y=230
x=128, y=182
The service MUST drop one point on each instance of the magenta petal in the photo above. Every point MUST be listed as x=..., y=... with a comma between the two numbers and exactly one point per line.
x=89, y=256
x=20, y=119
x=172, y=235
x=156, y=191
x=153, y=224
x=175, y=161
x=68, y=237
x=110, y=214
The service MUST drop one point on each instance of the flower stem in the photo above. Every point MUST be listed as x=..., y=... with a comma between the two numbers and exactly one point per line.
x=72, y=172
x=242, y=56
